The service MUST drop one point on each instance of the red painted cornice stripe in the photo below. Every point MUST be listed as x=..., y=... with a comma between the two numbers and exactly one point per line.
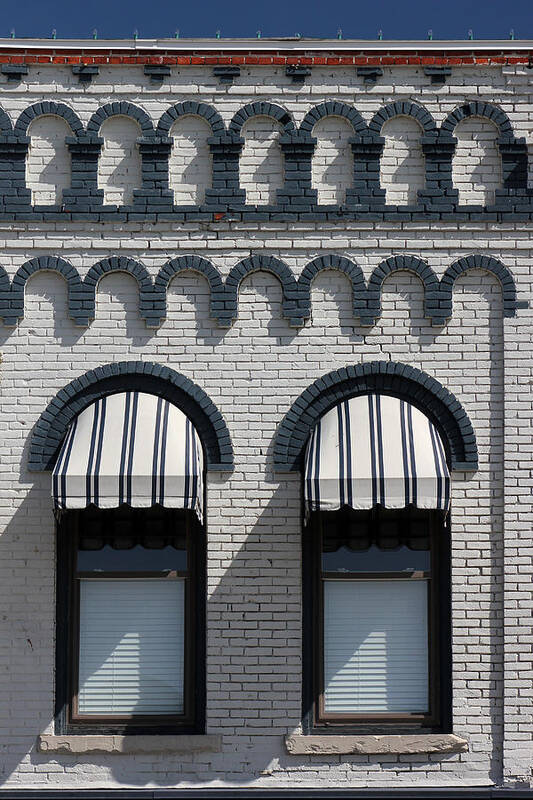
x=357, y=58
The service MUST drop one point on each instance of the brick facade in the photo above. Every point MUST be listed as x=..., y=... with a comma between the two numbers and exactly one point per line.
x=172, y=231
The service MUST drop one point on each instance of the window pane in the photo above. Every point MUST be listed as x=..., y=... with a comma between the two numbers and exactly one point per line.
x=134, y=559
x=131, y=647
x=375, y=646
x=373, y=559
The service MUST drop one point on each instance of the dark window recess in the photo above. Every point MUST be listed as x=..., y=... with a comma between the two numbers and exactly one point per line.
x=130, y=651
x=377, y=648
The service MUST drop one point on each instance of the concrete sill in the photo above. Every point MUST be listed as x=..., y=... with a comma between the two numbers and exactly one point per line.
x=128, y=745
x=298, y=745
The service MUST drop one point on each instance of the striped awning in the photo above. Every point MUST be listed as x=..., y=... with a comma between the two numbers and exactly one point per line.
x=375, y=450
x=131, y=448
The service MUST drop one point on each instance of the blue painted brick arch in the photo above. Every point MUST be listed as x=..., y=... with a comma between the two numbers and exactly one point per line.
x=144, y=376
x=386, y=377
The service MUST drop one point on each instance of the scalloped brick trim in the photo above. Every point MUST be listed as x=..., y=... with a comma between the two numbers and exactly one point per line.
x=296, y=305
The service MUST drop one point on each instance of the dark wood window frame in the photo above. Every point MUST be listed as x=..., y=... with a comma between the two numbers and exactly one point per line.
x=67, y=719
x=439, y=718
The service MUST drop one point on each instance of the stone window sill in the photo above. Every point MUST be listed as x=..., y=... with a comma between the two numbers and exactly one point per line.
x=128, y=745
x=408, y=744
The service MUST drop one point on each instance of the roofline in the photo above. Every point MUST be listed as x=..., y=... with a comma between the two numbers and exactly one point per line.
x=267, y=45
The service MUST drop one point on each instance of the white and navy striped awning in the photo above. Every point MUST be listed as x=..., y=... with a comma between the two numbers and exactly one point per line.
x=375, y=450
x=131, y=448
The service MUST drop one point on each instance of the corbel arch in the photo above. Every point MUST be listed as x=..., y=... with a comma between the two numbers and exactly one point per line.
x=403, y=109
x=47, y=108
x=397, y=264
x=50, y=264
x=486, y=263
x=353, y=272
x=148, y=306
x=478, y=109
x=261, y=109
x=123, y=109
x=191, y=108
x=333, y=108
x=290, y=304
x=196, y=264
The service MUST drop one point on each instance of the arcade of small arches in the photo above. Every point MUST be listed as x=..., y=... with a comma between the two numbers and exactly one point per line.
x=190, y=161
x=224, y=293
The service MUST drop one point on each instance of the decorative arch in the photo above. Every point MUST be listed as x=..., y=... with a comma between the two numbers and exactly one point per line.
x=190, y=107
x=48, y=263
x=402, y=109
x=123, y=109
x=6, y=126
x=386, y=377
x=396, y=264
x=124, y=376
x=478, y=108
x=486, y=263
x=43, y=109
x=353, y=272
x=148, y=305
x=333, y=109
x=261, y=109
x=197, y=264
x=290, y=305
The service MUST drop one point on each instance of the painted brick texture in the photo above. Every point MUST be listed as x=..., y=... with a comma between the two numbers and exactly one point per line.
x=119, y=166
x=190, y=163
x=48, y=169
x=253, y=371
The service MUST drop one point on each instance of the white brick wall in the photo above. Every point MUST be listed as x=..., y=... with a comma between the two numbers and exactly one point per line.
x=261, y=162
x=190, y=164
x=48, y=169
x=119, y=165
x=253, y=372
x=402, y=166
x=477, y=164
x=333, y=163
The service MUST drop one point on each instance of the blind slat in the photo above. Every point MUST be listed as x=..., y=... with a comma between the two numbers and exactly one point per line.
x=375, y=646
x=131, y=656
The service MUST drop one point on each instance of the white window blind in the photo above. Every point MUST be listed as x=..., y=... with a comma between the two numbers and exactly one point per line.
x=375, y=646
x=131, y=646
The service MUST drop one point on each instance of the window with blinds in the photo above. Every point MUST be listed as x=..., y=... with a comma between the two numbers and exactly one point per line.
x=131, y=621
x=131, y=651
x=376, y=633
x=375, y=646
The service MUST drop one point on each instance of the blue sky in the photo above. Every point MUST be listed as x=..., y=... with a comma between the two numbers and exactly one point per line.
x=398, y=19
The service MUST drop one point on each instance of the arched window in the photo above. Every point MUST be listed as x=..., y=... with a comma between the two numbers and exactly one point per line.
x=128, y=493
x=190, y=163
x=377, y=492
x=332, y=164
x=261, y=162
x=48, y=169
x=402, y=165
x=119, y=165
x=477, y=163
